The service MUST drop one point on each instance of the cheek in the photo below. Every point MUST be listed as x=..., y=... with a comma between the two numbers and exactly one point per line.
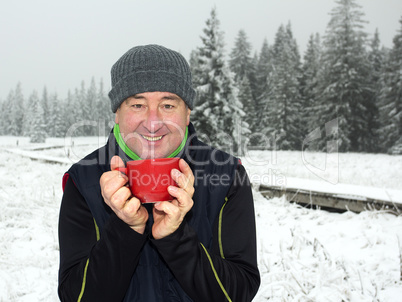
x=127, y=124
x=178, y=124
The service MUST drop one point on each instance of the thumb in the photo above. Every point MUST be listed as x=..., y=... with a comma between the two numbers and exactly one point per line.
x=116, y=162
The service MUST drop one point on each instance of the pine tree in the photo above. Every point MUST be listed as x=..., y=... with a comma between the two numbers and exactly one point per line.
x=90, y=111
x=391, y=98
x=9, y=127
x=56, y=120
x=17, y=111
x=69, y=112
x=5, y=114
x=263, y=72
x=45, y=108
x=311, y=68
x=29, y=114
x=105, y=115
x=80, y=110
x=3, y=121
x=217, y=113
x=248, y=103
x=240, y=60
x=252, y=77
x=37, y=133
x=344, y=83
x=284, y=99
x=376, y=58
x=241, y=64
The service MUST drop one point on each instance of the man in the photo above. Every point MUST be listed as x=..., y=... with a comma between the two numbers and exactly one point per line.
x=201, y=246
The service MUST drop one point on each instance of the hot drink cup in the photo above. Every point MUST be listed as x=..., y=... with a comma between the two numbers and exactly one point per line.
x=149, y=178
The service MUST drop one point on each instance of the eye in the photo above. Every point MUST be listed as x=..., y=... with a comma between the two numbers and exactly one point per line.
x=137, y=106
x=168, y=106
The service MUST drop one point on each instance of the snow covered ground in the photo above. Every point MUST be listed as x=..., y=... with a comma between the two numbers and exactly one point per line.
x=304, y=255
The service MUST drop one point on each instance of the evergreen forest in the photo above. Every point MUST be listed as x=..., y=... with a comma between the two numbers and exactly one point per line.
x=346, y=88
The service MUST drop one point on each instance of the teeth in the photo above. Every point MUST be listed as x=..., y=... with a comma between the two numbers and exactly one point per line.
x=152, y=139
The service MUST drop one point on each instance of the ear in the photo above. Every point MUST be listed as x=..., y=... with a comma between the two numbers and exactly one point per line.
x=116, y=117
x=188, y=116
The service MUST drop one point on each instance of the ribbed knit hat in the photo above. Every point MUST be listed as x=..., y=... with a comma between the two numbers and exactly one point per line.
x=151, y=68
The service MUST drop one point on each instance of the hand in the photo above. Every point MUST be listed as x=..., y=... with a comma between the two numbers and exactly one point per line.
x=118, y=197
x=168, y=215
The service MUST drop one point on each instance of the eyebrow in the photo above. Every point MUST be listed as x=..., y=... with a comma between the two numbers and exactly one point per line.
x=172, y=97
x=138, y=96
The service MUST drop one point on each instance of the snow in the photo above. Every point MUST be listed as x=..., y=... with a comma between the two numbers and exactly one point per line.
x=319, y=256
x=303, y=254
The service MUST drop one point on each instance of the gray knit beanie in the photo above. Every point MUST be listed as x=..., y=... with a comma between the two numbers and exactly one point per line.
x=151, y=68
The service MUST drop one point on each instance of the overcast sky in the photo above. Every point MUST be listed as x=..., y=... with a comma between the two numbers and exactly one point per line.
x=60, y=43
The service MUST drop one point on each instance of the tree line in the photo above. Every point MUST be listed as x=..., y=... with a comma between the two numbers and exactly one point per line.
x=346, y=88
x=84, y=112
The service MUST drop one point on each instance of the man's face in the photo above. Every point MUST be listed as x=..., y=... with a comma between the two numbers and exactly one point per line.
x=153, y=124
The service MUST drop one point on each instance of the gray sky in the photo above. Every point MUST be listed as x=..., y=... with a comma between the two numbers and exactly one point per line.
x=60, y=43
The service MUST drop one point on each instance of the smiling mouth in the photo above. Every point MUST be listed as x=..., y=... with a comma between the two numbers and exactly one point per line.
x=152, y=138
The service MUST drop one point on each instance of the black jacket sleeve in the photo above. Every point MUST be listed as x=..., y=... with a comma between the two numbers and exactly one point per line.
x=228, y=271
x=92, y=266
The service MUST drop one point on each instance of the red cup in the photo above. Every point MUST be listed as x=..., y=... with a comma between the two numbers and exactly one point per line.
x=150, y=178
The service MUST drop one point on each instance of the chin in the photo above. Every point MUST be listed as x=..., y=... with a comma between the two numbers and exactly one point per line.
x=150, y=154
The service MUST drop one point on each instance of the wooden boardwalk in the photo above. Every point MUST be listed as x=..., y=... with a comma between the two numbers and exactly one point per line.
x=330, y=201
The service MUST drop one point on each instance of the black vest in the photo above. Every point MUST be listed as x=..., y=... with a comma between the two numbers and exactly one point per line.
x=214, y=172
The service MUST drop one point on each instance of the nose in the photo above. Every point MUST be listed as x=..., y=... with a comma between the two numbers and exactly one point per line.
x=153, y=121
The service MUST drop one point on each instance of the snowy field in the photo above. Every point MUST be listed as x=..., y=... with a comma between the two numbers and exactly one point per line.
x=304, y=255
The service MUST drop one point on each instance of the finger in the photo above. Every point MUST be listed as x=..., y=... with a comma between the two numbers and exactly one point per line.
x=181, y=178
x=116, y=162
x=182, y=196
x=186, y=170
x=168, y=208
x=178, y=177
x=105, y=178
x=115, y=176
x=111, y=181
x=175, y=202
x=119, y=199
x=132, y=206
x=183, y=181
